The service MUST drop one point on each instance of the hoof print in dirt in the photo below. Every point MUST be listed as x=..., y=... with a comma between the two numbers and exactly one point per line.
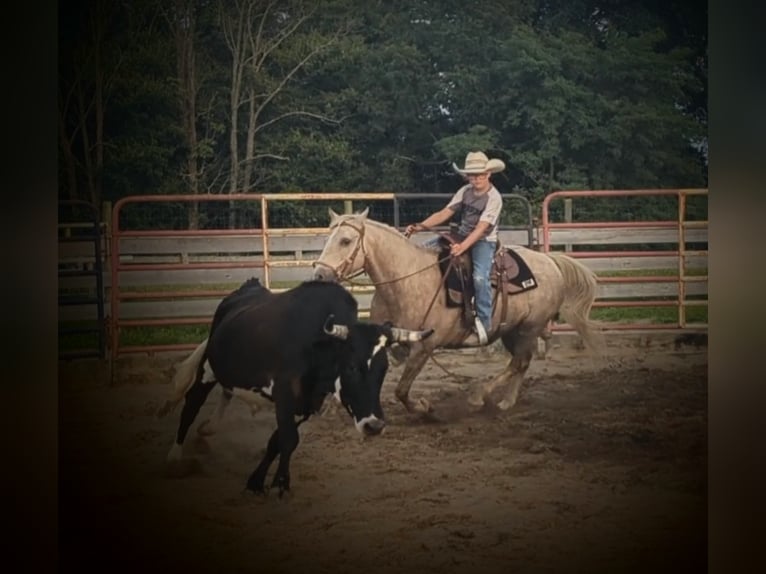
x=182, y=468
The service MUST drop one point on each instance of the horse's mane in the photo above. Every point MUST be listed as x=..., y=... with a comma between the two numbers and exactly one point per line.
x=357, y=218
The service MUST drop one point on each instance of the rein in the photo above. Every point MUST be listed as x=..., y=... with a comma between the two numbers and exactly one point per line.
x=348, y=261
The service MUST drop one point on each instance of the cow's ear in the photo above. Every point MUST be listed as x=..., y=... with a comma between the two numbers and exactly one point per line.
x=363, y=214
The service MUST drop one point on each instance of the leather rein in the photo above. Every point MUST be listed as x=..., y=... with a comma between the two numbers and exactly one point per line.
x=341, y=268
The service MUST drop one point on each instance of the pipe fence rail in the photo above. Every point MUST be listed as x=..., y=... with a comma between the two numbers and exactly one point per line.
x=169, y=260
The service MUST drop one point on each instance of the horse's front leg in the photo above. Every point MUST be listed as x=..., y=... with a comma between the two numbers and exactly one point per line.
x=412, y=368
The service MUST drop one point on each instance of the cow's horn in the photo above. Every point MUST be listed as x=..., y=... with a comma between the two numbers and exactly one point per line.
x=339, y=331
x=405, y=335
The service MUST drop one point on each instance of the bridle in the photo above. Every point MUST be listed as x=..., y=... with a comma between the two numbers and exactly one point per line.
x=343, y=266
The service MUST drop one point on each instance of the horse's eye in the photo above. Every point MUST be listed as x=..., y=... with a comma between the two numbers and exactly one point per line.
x=345, y=242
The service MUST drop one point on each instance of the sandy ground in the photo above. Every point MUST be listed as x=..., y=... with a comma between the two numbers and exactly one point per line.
x=600, y=467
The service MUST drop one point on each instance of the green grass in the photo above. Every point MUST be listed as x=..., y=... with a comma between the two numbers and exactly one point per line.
x=660, y=315
x=170, y=335
x=194, y=334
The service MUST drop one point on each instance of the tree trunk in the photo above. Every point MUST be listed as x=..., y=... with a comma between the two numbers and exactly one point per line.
x=70, y=165
x=184, y=24
x=250, y=144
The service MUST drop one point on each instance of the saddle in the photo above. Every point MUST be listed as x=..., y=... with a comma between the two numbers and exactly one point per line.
x=509, y=275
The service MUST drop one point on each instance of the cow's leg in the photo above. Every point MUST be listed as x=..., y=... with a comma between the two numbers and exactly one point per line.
x=195, y=398
x=258, y=478
x=284, y=403
x=412, y=367
x=210, y=426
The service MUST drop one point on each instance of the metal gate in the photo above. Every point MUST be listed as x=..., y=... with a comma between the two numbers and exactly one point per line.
x=80, y=275
x=164, y=275
x=669, y=267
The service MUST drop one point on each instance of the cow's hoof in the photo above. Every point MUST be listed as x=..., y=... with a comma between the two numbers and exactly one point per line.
x=254, y=490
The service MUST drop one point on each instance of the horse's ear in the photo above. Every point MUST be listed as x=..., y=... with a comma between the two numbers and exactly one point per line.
x=363, y=214
x=333, y=216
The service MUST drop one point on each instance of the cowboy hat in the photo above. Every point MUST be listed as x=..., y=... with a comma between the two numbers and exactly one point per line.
x=477, y=162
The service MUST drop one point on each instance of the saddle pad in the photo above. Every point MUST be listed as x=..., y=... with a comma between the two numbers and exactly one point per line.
x=510, y=269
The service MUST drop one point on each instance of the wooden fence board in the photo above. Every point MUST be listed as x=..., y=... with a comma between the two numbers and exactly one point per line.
x=601, y=264
x=624, y=236
x=135, y=250
x=648, y=290
x=205, y=307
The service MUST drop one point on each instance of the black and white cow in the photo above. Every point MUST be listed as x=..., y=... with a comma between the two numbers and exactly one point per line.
x=194, y=368
x=294, y=348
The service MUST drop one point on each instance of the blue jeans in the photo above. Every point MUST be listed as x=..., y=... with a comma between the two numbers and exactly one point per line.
x=482, y=253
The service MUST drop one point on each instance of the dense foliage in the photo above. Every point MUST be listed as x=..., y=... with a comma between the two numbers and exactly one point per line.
x=213, y=96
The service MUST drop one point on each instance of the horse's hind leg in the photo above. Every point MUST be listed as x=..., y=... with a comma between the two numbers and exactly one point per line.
x=412, y=367
x=522, y=350
x=477, y=397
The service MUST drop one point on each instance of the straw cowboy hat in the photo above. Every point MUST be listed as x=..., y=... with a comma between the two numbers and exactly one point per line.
x=477, y=162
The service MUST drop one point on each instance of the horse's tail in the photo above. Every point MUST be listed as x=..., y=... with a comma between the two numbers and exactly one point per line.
x=580, y=289
x=184, y=378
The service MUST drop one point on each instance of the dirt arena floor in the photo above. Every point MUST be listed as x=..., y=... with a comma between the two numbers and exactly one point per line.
x=600, y=467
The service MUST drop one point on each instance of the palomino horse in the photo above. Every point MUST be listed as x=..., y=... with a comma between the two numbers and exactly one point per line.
x=406, y=277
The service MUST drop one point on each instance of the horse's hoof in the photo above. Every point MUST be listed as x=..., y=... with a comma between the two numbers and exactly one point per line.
x=421, y=406
x=505, y=404
x=476, y=400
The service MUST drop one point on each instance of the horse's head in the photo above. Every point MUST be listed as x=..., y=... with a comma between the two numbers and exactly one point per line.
x=343, y=255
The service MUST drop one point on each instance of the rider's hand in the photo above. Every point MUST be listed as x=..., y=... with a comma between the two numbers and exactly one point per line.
x=457, y=249
x=411, y=228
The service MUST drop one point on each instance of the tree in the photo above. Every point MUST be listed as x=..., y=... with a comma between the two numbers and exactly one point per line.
x=87, y=68
x=269, y=47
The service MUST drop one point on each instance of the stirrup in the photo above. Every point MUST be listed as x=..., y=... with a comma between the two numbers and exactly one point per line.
x=480, y=332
